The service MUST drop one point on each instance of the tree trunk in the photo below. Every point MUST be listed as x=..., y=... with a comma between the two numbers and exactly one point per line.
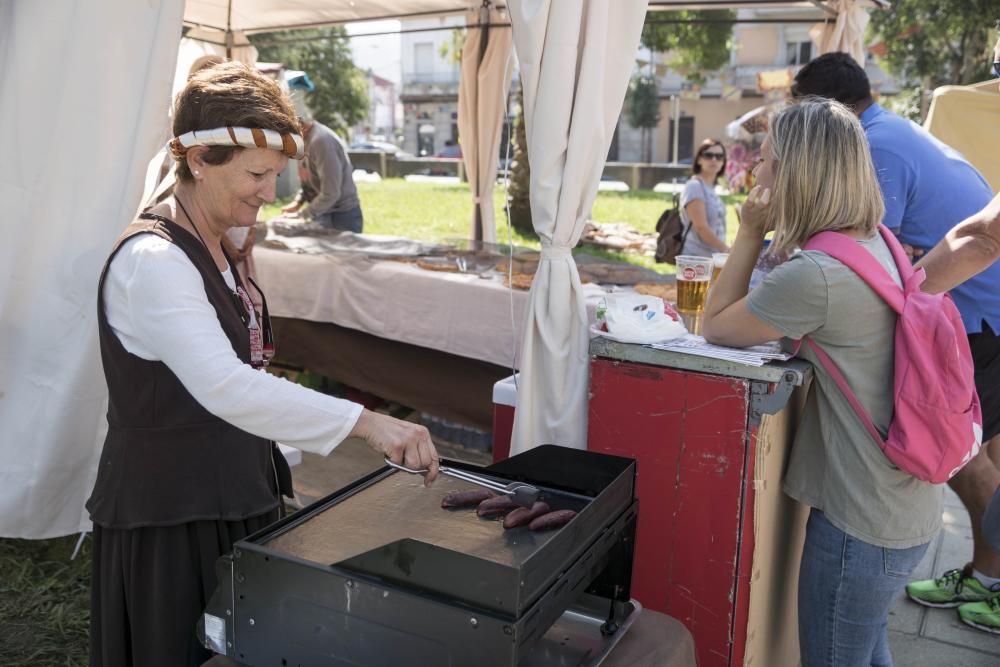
x=520, y=176
x=926, y=93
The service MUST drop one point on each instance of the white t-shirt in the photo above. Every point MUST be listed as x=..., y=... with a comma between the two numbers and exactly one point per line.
x=156, y=304
x=715, y=214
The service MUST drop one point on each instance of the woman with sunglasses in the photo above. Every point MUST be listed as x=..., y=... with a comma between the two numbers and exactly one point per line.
x=702, y=211
x=189, y=464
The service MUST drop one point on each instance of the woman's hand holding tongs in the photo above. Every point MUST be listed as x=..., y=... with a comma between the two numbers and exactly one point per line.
x=402, y=442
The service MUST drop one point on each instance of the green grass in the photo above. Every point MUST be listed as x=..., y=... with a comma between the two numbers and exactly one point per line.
x=432, y=212
x=44, y=602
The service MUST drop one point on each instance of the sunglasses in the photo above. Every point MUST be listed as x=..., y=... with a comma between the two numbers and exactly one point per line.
x=714, y=156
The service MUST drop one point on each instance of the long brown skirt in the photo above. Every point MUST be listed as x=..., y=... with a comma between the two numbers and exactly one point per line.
x=150, y=585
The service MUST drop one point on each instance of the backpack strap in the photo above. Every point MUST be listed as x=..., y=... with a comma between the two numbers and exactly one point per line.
x=687, y=230
x=903, y=263
x=849, y=252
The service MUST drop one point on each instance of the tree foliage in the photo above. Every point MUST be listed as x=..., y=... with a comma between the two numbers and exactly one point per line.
x=936, y=42
x=643, y=102
x=695, y=49
x=451, y=49
x=341, y=96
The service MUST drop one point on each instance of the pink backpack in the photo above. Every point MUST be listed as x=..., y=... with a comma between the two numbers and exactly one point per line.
x=937, y=424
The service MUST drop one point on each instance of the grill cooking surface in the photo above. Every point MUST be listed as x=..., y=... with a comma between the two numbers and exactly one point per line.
x=398, y=507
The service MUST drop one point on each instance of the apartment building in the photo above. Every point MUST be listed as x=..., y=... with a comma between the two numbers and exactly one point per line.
x=381, y=121
x=733, y=91
x=429, y=85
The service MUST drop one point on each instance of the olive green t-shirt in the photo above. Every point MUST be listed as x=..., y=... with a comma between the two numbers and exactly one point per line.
x=835, y=464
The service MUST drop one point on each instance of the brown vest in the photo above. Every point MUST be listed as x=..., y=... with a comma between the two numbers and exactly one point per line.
x=167, y=460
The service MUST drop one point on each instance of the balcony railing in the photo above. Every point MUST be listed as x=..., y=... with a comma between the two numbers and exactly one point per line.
x=435, y=78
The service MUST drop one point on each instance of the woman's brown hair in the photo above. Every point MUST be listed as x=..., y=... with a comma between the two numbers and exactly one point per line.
x=705, y=145
x=229, y=94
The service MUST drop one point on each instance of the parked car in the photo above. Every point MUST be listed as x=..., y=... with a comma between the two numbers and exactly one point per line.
x=380, y=146
x=451, y=150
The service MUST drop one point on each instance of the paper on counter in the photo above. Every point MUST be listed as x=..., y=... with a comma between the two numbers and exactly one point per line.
x=757, y=355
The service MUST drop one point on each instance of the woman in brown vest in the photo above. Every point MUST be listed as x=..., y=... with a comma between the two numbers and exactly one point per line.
x=189, y=465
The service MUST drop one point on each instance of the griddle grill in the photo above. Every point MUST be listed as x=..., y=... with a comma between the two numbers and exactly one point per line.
x=379, y=574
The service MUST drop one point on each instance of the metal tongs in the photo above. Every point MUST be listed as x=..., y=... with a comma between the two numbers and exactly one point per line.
x=524, y=495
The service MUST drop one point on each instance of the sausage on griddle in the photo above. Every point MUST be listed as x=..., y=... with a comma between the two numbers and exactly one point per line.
x=525, y=515
x=494, y=508
x=552, y=520
x=465, y=498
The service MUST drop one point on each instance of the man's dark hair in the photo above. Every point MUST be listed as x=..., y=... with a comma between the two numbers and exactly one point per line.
x=835, y=76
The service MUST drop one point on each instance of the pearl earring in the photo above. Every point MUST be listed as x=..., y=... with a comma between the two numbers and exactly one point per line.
x=197, y=173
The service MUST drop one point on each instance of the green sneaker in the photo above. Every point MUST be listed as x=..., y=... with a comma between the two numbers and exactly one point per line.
x=953, y=588
x=984, y=615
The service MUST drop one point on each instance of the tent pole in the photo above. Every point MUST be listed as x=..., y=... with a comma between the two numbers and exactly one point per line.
x=484, y=27
x=229, y=31
x=675, y=102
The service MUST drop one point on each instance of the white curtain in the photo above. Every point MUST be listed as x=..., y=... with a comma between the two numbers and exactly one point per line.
x=482, y=105
x=575, y=60
x=84, y=93
x=846, y=34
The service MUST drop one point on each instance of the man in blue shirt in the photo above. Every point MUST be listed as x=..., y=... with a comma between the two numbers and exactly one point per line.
x=929, y=188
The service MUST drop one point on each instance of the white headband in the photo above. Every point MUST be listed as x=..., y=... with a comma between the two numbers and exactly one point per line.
x=287, y=143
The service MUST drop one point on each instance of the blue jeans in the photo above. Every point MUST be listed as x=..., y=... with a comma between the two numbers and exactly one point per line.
x=846, y=588
x=350, y=220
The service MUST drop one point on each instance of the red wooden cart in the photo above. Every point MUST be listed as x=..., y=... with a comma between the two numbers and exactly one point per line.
x=718, y=544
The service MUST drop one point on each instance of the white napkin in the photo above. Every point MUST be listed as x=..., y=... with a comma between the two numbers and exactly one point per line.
x=637, y=318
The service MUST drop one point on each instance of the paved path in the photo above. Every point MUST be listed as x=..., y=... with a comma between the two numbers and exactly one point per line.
x=919, y=636
x=935, y=637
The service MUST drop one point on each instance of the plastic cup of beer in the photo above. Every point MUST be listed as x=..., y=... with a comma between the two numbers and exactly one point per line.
x=718, y=261
x=693, y=275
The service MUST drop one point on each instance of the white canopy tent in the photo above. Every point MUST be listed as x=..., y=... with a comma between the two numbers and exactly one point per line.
x=846, y=33
x=75, y=178
x=83, y=105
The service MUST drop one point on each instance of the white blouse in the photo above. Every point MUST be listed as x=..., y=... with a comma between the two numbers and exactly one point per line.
x=156, y=304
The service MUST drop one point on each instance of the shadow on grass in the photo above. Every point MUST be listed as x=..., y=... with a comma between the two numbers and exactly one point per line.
x=44, y=602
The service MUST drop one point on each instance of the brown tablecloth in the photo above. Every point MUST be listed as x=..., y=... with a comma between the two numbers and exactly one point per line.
x=446, y=385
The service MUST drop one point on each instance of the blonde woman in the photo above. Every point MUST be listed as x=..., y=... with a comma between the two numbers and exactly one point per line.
x=870, y=522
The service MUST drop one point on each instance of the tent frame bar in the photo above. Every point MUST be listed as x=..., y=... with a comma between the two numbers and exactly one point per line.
x=296, y=40
x=654, y=5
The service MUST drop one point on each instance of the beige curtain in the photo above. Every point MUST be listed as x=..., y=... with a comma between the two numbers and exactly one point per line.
x=846, y=34
x=85, y=89
x=482, y=104
x=575, y=60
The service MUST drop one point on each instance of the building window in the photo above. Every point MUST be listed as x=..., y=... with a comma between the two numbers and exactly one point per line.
x=423, y=58
x=685, y=139
x=799, y=53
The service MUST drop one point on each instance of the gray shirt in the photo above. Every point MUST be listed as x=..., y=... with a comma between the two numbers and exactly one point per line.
x=330, y=172
x=715, y=212
x=835, y=465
